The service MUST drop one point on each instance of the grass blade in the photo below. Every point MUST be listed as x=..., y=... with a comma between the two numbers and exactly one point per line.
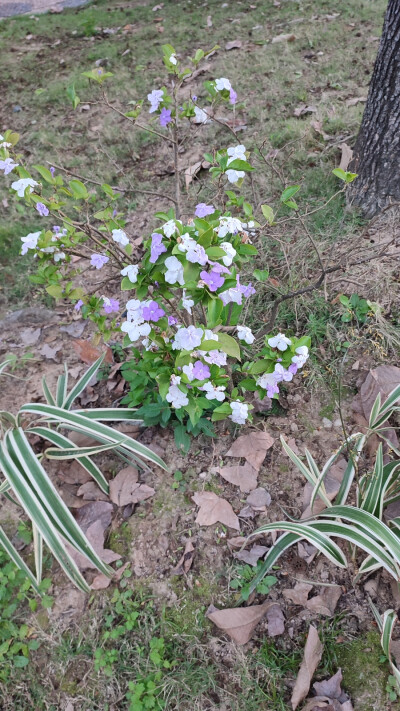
x=81, y=384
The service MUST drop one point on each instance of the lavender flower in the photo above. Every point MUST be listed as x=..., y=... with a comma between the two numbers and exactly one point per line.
x=152, y=312
x=232, y=96
x=202, y=210
x=172, y=321
x=165, y=117
x=52, y=171
x=98, y=260
x=155, y=99
x=78, y=305
x=110, y=305
x=157, y=247
x=42, y=209
x=7, y=165
x=201, y=371
x=212, y=279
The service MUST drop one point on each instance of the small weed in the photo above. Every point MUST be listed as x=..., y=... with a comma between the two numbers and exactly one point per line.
x=244, y=574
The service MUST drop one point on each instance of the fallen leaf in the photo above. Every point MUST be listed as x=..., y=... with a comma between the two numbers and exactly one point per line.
x=29, y=336
x=347, y=155
x=252, y=556
x=243, y=476
x=356, y=100
x=209, y=21
x=190, y=172
x=213, y=509
x=330, y=687
x=236, y=541
x=332, y=482
x=125, y=488
x=316, y=703
x=239, y=622
x=95, y=534
x=259, y=498
x=317, y=126
x=100, y=582
x=89, y=353
x=247, y=512
x=299, y=594
x=383, y=380
x=88, y=396
x=91, y=492
x=312, y=657
x=283, y=38
x=185, y=563
x=304, y=109
x=234, y=44
x=325, y=604
x=306, y=551
x=252, y=446
x=95, y=511
x=275, y=620
x=75, y=329
x=48, y=352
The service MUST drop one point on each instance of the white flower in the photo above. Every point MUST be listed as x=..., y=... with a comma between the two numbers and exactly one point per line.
x=134, y=330
x=58, y=256
x=232, y=295
x=214, y=393
x=240, y=412
x=174, y=395
x=236, y=153
x=234, y=175
x=302, y=356
x=200, y=116
x=169, y=228
x=173, y=59
x=155, y=98
x=174, y=271
x=188, y=370
x=230, y=253
x=30, y=241
x=229, y=225
x=186, y=241
x=131, y=271
x=245, y=334
x=214, y=357
x=187, y=303
x=186, y=339
x=222, y=83
x=196, y=254
x=20, y=186
x=120, y=237
x=280, y=341
x=267, y=379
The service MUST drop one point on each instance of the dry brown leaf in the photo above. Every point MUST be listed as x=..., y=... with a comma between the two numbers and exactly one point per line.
x=95, y=511
x=236, y=541
x=185, y=563
x=383, y=380
x=29, y=336
x=252, y=556
x=299, y=594
x=317, y=126
x=325, y=604
x=330, y=687
x=247, y=512
x=252, y=446
x=75, y=329
x=275, y=620
x=283, y=38
x=48, y=352
x=356, y=100
x=304, y=109
x=312, y=657
x=259, y=499
x=239, y=622
x=243, y=476
x=91, y=492
x=95, y=535
x=100, y=582
x=332, y=483
x=213, y=509
x=125, y=488
x=73, y=472
x=190, y=172
x=317, y=703
x=346, y=157
x=89, y=353
x=234, y=44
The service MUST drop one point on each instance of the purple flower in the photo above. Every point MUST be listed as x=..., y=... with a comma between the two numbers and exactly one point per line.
x=194, y=97
x=219, y=268
x=246, y=290
x=56, y=229
x=232, y=96
x=114, y=213
x=272, y=389
x=42, y=209
x=157, y=247
x=152, y=312
x=110, y=305
x=172, y=321
x=293, y=368
x=78, y=305
x=165, y=117
x=52, y=171
x=98, y=260
x=201, y=371
x=212, y=279
x=202, y=210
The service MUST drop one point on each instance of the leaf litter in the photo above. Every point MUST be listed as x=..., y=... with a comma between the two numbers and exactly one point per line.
x=239, y=623
x=311, y=658
x=213, y=509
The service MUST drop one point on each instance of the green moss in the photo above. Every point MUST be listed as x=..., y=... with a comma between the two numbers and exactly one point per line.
x=120, y=540
x=364, y=675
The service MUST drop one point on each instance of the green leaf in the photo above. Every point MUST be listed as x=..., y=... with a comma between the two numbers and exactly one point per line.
x=261, y=274
x=45, y=173
x=344, y=175
x=268, y=213
x=240, y=165
x=214, y=311
x=289, y=192
x=260, y=366
x=215, y=252
x=71, y=93
x=78, y=189
x=55, y=290
x=182, y=439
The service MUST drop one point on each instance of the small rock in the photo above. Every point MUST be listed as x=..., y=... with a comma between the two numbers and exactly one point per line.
x=327, y=424
x=203, y=475
x=294, y=427
x=17, y=108
x=337, y=423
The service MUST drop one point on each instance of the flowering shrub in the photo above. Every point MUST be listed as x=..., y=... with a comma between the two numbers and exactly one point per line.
x=183, y=322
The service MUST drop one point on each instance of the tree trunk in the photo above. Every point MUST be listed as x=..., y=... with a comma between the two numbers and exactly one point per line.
x=376, y=156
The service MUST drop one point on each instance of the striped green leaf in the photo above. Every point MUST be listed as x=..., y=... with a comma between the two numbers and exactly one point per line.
x=38, y=552
x=64, y=443
x=77, y=452
x=81, y=384
x=385, y=410
x=62, y=386
x=94, y=429
x=47, y=392
x=310, y=475
x=111, y=414
x=16, y=558
x=311, y=533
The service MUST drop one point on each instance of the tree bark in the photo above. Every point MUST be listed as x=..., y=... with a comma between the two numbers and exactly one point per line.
x=376, y=156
